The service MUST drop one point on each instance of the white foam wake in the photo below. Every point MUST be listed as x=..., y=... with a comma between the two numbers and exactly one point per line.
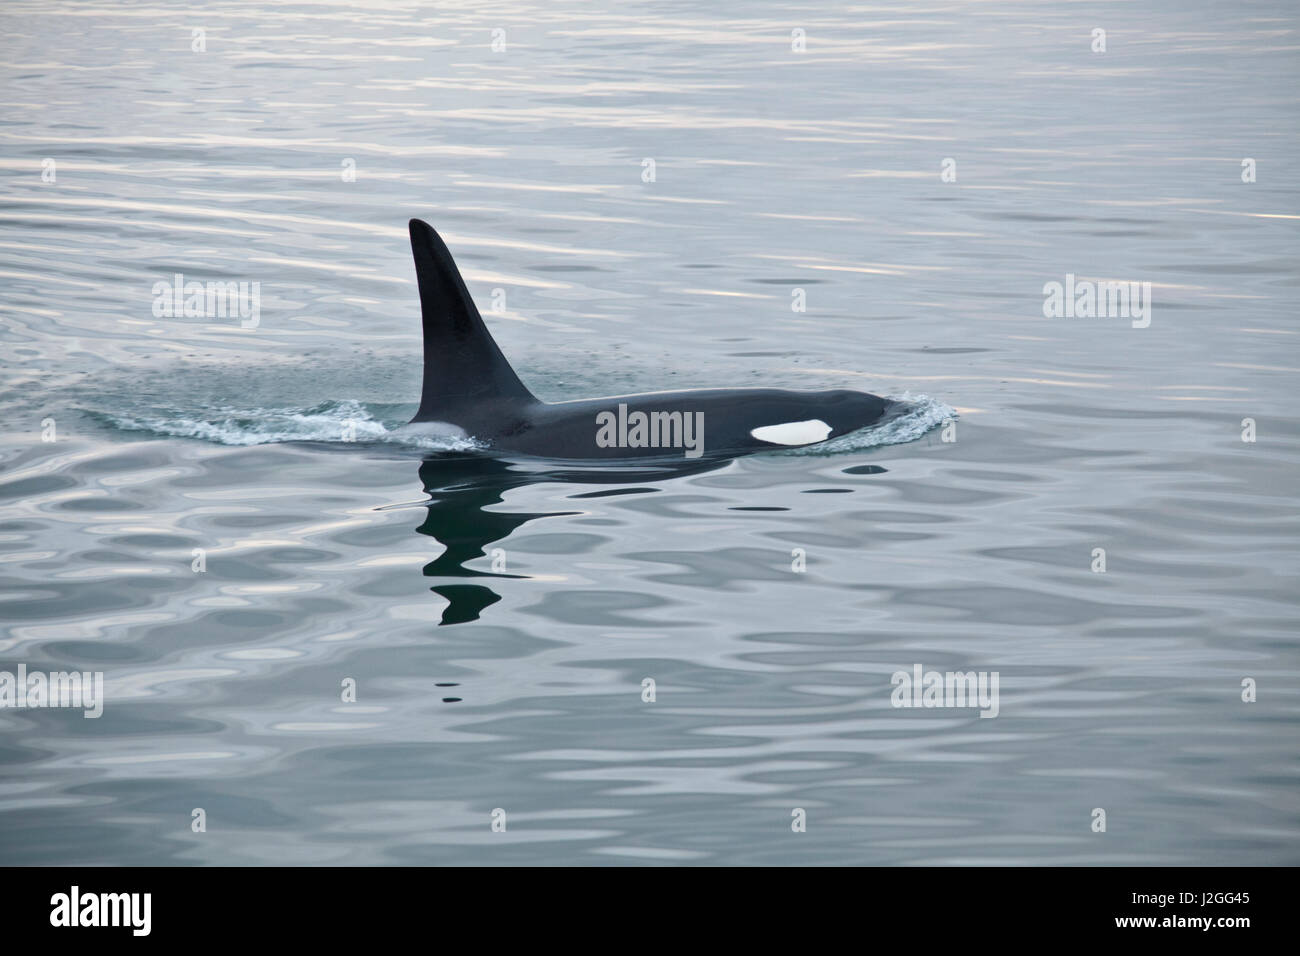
x=345, y=421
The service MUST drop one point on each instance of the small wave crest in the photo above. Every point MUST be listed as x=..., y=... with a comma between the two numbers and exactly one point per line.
x=916, y=415
x=343, y=421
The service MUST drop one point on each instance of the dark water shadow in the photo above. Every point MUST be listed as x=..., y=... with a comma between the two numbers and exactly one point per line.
x=463, y=488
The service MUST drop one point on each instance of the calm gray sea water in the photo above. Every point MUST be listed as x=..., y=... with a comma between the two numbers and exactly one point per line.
x=498, y=620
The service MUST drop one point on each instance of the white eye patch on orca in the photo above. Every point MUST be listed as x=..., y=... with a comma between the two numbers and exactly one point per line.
x=793, y=433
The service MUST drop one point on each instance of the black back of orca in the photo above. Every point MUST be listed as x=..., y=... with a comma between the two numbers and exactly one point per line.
x=469, y=384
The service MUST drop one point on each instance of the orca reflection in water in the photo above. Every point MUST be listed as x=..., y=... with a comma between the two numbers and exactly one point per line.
x=471, y=390
x=462, y=488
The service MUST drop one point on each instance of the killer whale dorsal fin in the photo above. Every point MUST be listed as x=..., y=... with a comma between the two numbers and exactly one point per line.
x=462, y=362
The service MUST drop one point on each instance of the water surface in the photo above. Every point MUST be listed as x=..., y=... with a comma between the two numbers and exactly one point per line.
x=499, y=618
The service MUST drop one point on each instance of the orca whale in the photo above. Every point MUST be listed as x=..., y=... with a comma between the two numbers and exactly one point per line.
x=470, y=388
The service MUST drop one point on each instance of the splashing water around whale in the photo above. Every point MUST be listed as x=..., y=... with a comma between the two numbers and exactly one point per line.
x=330, y=422
x=472, y=400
